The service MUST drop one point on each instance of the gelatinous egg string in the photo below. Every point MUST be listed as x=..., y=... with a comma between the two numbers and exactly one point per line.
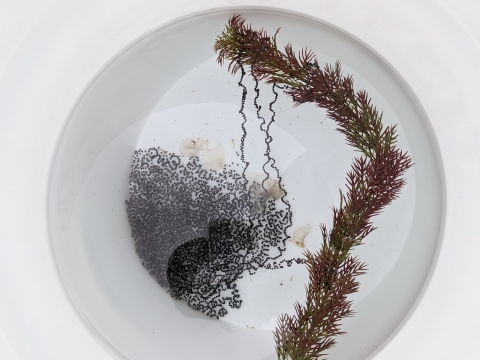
x=198, y=229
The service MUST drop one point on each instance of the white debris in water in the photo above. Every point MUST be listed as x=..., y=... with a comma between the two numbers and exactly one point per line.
x=299, y=235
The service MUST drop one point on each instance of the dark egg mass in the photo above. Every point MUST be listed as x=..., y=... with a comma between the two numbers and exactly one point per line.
x=198, y=230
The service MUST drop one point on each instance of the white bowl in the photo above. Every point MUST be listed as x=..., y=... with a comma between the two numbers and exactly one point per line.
x=160, y=88
x=63, y=67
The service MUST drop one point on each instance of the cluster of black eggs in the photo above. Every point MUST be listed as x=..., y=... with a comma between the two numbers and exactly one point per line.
x=197, y=230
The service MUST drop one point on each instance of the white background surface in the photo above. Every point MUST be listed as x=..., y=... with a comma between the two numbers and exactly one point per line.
x=50, y=50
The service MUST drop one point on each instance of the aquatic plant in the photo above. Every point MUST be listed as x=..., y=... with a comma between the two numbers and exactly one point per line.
x=373, y=181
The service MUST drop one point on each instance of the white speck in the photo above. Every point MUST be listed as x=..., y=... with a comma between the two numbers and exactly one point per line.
x=299, y=235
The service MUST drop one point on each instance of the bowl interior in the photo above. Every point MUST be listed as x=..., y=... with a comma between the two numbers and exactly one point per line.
x=167, y=87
